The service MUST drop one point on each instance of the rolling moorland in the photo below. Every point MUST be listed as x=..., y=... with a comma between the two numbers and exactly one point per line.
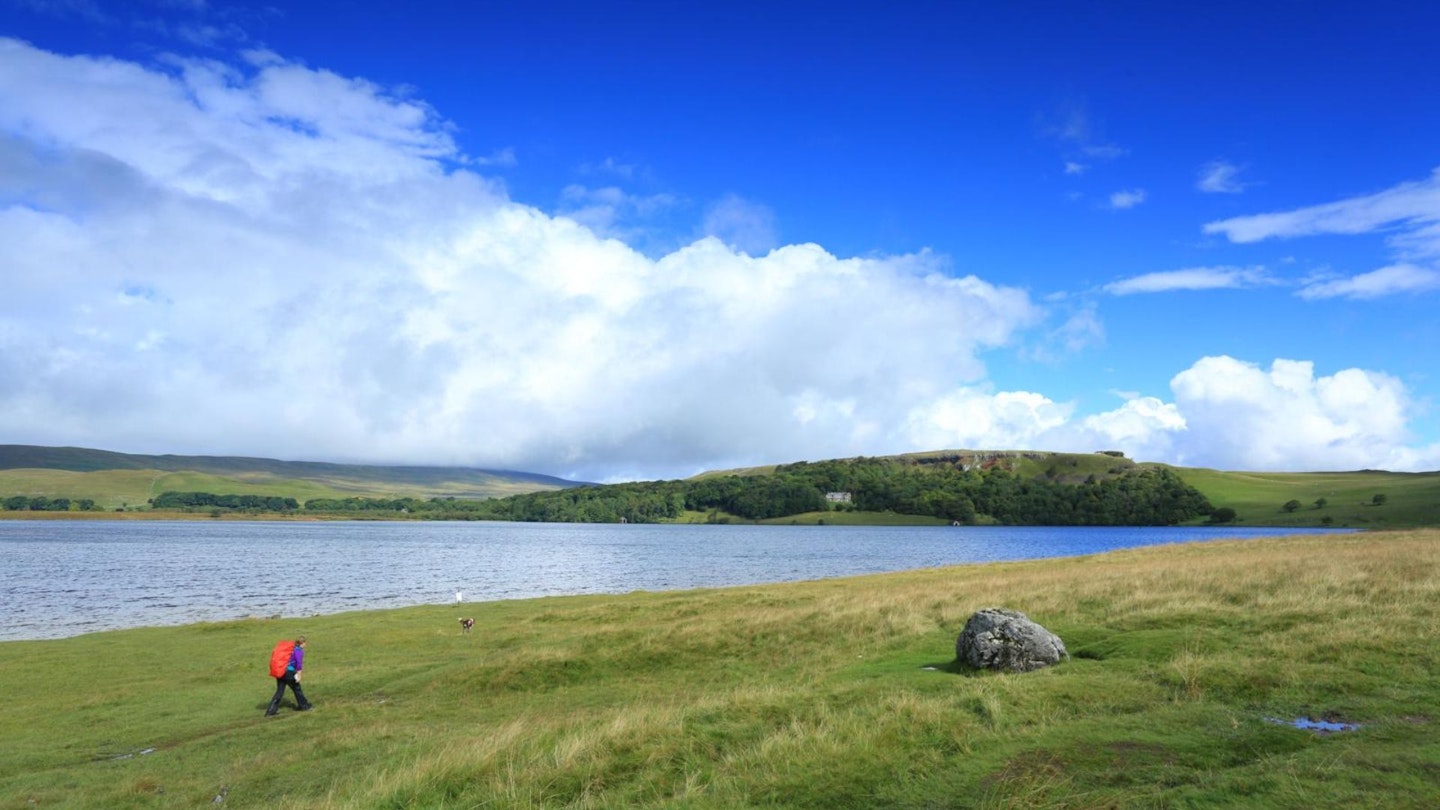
x=1189, y=668
x=971, y=487
x=121, y=480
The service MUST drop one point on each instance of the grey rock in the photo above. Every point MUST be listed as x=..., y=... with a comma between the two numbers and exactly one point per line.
x=999, y=638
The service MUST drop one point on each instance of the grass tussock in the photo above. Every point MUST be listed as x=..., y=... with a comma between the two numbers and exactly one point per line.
x=830, y=694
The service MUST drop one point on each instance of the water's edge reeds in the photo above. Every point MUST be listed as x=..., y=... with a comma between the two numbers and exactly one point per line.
x=835, y=693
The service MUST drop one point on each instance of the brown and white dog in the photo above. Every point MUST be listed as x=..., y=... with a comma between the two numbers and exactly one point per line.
x=466, y=624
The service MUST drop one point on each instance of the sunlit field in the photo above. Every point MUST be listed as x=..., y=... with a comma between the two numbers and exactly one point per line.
x=1187, y=665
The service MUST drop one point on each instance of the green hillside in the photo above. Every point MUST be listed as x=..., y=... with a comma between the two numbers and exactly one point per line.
x=1409, y=499
x=1259, y=499
x=114, y=480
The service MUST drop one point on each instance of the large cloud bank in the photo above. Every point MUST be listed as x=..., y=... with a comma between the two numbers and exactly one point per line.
x=275, y=260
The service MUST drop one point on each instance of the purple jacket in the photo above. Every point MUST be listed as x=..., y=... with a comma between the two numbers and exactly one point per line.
x=297, y=659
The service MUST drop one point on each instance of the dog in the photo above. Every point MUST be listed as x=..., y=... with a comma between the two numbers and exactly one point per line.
x=466, y=624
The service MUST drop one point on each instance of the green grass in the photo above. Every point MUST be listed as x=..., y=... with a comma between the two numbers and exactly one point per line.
x=830, y=694
x=113, y=489
x=28, y=470
x=1411, y=499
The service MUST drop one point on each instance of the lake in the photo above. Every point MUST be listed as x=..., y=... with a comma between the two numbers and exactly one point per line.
x=64, y=578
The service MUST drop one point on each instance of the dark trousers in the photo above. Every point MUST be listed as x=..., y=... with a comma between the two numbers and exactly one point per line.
x=288, y=679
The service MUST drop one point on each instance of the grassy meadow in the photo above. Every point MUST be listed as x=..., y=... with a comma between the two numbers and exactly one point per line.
x=115, y=489
x=829, y=694
x=1410, y=499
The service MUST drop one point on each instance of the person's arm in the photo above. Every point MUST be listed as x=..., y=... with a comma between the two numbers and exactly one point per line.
x=299, y=661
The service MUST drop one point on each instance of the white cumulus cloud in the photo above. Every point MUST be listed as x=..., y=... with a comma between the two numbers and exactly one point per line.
x=265, y=258
x=1243, y=416
x=1226, y=413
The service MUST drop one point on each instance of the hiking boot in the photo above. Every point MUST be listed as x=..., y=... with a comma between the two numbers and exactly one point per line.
x=307, y=707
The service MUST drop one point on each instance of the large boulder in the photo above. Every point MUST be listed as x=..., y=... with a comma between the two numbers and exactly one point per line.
x=999, y=638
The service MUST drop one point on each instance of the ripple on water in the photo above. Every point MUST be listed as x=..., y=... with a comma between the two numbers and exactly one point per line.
x=61, y=578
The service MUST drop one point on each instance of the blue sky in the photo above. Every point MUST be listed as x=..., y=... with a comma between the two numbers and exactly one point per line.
x=640, y=240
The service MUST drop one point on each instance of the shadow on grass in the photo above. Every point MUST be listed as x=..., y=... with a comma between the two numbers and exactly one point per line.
x=954, y=667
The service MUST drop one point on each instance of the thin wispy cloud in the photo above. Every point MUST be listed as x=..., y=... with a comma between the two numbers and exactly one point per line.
x=743, y=224
x=613, y=167
x=1074, y=127
x=1413, y=208
x=503, y=158
x=85, y=9
x=1105, y=151
x=1394, y=280
x=1409, y=213
x=1190, y=279
x=1219, y=177
x=611, y=211
x=1123, y=200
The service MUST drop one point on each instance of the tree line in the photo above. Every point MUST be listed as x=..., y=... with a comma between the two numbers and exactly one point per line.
x=25, y=503
x=950, y=491
x=944, y=488
x=187, y=500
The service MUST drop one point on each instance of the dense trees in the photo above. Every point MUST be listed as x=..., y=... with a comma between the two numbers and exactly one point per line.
x=1223, y=515
x=184, y=500
x=937, y=488
x=24, y=503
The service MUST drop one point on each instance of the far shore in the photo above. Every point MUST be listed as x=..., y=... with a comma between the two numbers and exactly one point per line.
x=809, y=519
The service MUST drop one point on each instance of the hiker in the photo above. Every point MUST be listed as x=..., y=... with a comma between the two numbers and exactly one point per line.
x=286, y=662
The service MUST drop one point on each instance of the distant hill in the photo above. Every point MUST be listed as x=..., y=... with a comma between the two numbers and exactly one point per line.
x=888, y=489
x=116, y=479
x=1371, y=499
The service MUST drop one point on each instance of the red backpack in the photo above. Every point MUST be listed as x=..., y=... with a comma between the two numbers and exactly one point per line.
x=280, y=658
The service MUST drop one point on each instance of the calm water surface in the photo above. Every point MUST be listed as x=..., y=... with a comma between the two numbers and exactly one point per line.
x=63, y=578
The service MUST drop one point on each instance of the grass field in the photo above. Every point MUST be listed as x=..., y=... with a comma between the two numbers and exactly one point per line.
x=114, y=489
x=831, y=694
x=1411, y=499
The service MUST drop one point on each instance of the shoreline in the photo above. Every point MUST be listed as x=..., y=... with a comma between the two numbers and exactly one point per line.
x=870, y=519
